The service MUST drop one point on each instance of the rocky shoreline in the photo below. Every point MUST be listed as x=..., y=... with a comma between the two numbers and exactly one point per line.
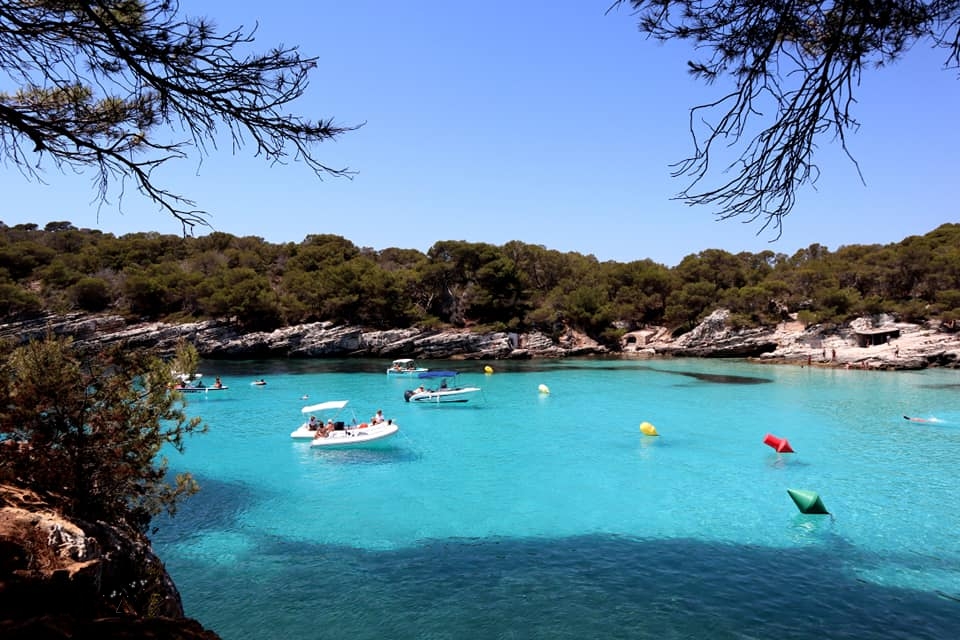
x=878, y=342
x=216, y=339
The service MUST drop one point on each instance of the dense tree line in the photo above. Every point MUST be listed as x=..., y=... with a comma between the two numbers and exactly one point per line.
x=517, y=286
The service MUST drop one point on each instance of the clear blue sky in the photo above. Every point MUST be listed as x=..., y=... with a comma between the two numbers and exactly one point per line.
x=552, y=123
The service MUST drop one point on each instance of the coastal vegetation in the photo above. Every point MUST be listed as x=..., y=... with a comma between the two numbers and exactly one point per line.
x=259, y=285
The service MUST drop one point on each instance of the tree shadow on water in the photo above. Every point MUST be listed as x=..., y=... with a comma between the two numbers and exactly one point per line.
x=214, y=508
x=594, y=586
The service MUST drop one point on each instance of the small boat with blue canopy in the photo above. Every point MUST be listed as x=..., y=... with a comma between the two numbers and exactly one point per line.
x=444, y=392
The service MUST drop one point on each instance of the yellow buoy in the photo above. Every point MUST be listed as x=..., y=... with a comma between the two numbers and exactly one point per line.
x=488, y=369
x=544, y=388
x=648, y=429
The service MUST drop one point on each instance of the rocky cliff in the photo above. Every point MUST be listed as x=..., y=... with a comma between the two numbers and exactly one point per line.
x=217, y=339
x=61, y=578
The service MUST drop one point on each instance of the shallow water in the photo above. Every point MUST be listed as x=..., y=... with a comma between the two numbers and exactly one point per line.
x=531, y=515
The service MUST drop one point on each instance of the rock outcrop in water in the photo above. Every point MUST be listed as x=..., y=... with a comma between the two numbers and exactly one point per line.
x=61, y=578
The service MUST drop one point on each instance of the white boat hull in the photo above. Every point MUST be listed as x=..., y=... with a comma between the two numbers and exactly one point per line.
x=356, y=436
x=303, y=433
x=444, y=396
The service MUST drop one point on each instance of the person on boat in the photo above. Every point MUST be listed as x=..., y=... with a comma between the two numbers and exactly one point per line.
x=443, y=383
x=421, y=389
x=312, y=424
x=378, y=417
x=217, y=384
x=326, y=429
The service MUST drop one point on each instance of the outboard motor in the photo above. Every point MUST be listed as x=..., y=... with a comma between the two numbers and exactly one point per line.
x=407, y=394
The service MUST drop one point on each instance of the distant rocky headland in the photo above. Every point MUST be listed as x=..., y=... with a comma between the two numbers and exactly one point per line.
x=878, y=342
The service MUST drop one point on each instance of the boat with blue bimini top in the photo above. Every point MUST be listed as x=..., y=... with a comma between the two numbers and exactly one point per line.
x=404, y=367
x=444, y=393
x=340, y=432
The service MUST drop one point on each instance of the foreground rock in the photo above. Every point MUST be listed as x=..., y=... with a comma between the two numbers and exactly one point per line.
x=67, y=579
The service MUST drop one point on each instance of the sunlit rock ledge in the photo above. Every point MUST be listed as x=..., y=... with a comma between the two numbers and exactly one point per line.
x=62, y=578
x=877, y=342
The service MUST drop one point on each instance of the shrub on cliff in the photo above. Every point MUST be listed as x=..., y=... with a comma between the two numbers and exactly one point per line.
x=88, y=429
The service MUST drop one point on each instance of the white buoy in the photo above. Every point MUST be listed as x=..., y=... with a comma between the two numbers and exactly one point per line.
x=544, y=388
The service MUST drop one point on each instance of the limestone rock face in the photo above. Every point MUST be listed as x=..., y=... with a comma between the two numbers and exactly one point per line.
x=217, y=339
x=66, y=579
x=712, y=338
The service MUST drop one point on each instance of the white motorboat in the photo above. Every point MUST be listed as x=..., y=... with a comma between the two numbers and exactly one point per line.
x=404, y=367
x=442, y=394
x=340, y=432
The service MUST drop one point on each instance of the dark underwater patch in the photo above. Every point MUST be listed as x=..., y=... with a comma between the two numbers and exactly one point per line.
x=717, y=378
x=595, y=586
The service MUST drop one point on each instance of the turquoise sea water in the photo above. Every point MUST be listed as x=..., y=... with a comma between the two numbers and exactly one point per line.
x=530, y=515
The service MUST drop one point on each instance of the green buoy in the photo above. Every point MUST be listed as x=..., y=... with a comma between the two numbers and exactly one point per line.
x=808, y=502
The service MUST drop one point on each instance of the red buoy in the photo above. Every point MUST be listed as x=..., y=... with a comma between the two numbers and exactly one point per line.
x=781, y=445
